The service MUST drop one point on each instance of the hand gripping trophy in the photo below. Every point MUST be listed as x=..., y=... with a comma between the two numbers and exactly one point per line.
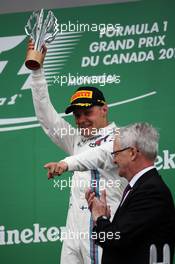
x=41, y=31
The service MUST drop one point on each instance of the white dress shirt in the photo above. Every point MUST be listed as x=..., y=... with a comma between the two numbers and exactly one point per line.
x=135, y=178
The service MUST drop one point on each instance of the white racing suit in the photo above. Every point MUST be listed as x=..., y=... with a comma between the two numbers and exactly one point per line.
x=80, y=249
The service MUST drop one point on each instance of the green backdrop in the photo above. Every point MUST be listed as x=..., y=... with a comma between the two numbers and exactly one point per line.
x=144, y=60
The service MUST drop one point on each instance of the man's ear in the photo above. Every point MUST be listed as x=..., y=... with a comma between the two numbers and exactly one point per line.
x=133, y=153
x=105, y=108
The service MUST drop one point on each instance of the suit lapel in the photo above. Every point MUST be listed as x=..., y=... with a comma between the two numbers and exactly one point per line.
x=137, y=185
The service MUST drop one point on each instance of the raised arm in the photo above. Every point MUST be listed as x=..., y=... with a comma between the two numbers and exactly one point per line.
x=52, y=122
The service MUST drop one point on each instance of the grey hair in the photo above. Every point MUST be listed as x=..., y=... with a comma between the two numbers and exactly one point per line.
x=143, y=136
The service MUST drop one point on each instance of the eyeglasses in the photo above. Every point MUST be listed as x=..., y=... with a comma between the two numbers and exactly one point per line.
x=118, y=151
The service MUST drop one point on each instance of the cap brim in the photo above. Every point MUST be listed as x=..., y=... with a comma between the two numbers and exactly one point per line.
x=71, y=108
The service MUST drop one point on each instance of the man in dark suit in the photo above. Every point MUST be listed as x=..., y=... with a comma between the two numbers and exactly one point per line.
x=146, y=214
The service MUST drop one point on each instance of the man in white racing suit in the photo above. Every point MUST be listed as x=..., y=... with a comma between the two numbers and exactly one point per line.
x=90, y=112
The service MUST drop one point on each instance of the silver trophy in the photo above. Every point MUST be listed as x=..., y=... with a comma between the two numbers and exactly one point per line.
x=42, y=29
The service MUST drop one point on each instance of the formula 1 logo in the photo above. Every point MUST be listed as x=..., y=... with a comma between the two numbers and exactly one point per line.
x=8, y=43
x=57, y=55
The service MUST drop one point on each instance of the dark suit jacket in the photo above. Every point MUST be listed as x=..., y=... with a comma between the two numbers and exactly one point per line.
x=147, y=216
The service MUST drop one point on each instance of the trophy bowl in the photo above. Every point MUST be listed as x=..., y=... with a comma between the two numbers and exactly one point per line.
x=34, y=59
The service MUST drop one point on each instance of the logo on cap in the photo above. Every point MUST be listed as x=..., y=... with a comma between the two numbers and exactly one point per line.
x=81, y=94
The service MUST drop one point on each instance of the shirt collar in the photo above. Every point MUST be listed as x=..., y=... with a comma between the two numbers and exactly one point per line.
x=139, y=174
x=110, y=129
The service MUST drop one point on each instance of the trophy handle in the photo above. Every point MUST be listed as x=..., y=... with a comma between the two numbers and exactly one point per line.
x=34, y=59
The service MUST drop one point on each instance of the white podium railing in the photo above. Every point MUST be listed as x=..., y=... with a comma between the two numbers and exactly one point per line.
x=153, y=255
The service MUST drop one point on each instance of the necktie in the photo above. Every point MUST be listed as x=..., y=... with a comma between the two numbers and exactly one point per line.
x=128, y=188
